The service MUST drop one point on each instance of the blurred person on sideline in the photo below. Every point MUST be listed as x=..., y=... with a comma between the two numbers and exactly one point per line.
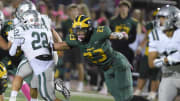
x=124, y=23
x=72, y=57
x=153, y=74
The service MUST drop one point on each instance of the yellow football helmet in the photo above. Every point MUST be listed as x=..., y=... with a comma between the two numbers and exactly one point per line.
x=82, y=23
x=3, y=71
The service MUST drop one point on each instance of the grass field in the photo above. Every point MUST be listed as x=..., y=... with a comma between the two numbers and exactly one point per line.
x=75, y=96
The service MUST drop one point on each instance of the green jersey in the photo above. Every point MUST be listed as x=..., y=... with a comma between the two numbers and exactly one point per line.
x=4, y=33
x=98, y=50
x=4, y=55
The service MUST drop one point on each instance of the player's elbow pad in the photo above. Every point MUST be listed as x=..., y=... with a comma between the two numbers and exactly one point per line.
x=12, y=53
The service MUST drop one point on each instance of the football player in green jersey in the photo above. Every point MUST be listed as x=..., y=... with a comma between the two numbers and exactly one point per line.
x=3, y=81
x=96, y=48
x=7, y=63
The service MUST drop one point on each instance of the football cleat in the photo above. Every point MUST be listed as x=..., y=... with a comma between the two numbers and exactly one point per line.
x=59, y=86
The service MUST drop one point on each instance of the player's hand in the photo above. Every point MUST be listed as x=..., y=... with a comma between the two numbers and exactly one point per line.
x=119, y=35
x=10, y=36
x=159, y=62
x=122, y=35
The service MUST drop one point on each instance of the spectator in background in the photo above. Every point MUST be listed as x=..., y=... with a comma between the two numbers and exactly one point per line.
x=144, y=70
x=141, y=30
x=83, y=9
x=124, y=23
x=93, y=17
x=73, y=56
x=102, y=11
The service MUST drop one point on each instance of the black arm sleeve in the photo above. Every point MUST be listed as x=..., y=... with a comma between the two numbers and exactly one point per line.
x=132, y=34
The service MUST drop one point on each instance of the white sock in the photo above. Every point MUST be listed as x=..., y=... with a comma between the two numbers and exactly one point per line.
x=137, y=92
x=33, y=99
x=14, y=93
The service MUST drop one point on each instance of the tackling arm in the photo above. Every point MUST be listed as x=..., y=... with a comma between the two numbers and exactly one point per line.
x=61, y=46
x=56, y=37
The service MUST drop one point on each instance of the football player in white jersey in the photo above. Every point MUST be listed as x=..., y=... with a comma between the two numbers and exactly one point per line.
x=24, y=69
x=167, y=49
x=34, y=42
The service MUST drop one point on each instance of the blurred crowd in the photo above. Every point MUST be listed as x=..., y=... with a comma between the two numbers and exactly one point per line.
x=113, y=13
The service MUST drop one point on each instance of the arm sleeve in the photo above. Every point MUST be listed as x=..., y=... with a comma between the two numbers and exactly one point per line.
x=132, y=33
x=103, y=32
x=174, y=58
x=13, y=49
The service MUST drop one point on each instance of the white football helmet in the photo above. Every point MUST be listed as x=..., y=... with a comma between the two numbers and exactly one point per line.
x=165, y=11
x=171, y=17
x=177, y=20
x=23, y=7
x=31, y=17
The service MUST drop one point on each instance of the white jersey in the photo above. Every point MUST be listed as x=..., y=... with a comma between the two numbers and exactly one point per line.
x=165, y=46
x=156, y=37
x=46, y=21
x=34, y=42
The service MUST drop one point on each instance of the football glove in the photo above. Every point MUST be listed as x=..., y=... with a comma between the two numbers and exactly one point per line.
x=159, y=62
x=120, y=35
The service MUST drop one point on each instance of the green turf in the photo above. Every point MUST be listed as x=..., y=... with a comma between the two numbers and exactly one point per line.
x=76, y=97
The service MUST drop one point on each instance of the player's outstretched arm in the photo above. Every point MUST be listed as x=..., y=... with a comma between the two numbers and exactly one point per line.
x=118, y=35
x=56, y=36
x=61, y=46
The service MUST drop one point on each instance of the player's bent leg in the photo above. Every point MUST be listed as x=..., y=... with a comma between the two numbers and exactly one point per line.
x=167, y=90
x=17, y=83
x=119, y=84
x=81, y=77
x=23, y=71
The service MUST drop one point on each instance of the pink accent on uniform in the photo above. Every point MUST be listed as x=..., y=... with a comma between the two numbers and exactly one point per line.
x=26, y=91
